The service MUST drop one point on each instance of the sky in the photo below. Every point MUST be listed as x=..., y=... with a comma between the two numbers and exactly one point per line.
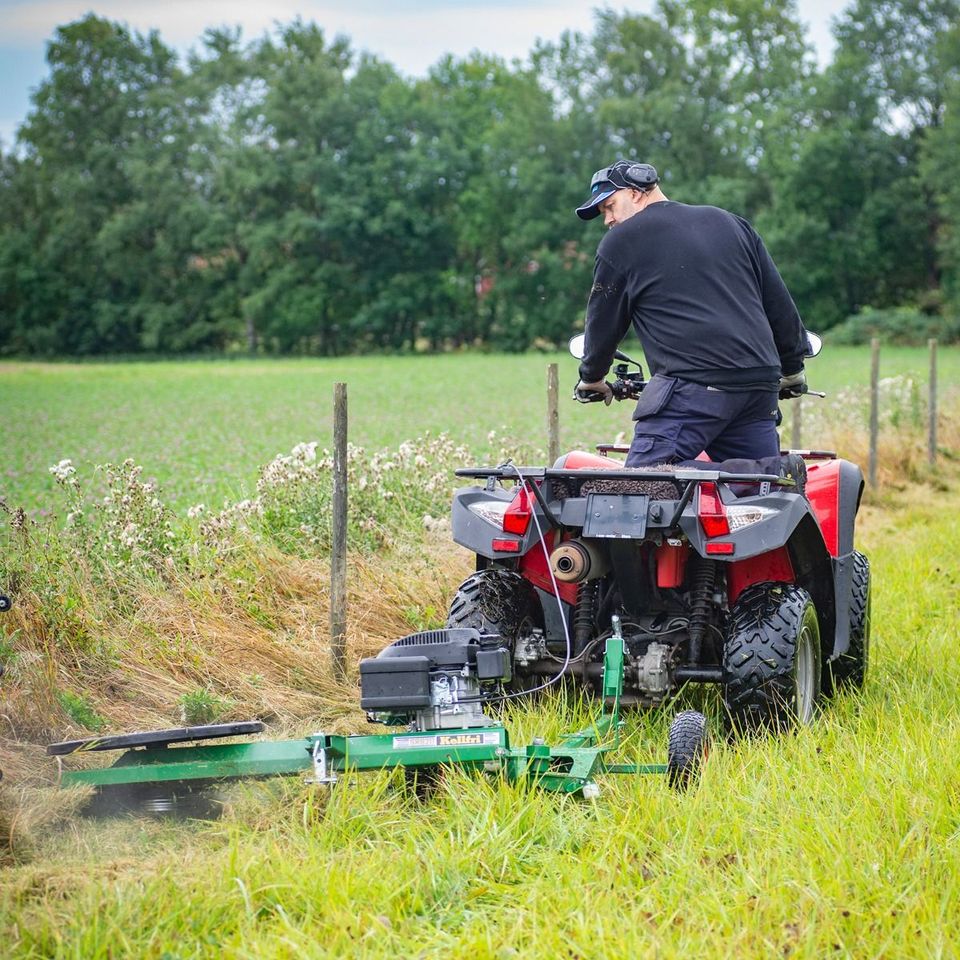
x=411, y=34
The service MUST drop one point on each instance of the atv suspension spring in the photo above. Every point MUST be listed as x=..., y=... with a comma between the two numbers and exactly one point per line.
x=584, y=614
x=701, y=591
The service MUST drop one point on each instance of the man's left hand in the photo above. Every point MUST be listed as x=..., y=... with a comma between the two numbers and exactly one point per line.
x=793, y=385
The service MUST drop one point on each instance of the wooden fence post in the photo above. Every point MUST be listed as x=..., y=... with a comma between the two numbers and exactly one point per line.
x=932, y=404
x=796, y=425
x=553, y=414
x=338, y=553
x=874, y=409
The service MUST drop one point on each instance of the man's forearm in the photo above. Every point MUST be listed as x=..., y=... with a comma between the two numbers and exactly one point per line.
x=607, y=321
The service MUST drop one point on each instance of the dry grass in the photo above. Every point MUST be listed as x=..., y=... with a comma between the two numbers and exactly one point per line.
x=902, y=454
x=262, y=649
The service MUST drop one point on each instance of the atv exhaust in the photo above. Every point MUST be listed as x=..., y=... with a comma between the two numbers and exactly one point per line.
x=577, y=560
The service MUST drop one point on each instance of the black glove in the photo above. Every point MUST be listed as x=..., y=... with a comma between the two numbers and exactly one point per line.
x=600, y=386
x=794, y=385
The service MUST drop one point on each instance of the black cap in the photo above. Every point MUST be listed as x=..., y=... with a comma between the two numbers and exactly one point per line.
x=606, y=182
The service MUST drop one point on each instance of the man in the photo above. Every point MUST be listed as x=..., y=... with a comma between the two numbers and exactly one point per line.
x=721, y=334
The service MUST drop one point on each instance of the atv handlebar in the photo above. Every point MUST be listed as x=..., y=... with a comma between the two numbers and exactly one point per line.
x=627, y=386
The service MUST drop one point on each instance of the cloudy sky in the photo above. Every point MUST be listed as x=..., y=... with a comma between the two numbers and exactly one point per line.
x=412, y=34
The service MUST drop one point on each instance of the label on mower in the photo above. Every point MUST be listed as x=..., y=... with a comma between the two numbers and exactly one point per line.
x=447, y=740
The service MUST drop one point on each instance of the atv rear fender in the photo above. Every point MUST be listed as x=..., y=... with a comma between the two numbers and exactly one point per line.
x=834, y=488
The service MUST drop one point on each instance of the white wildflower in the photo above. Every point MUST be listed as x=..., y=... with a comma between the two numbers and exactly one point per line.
x=63, y=471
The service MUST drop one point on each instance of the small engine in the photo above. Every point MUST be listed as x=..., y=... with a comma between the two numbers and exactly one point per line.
x=436, y=680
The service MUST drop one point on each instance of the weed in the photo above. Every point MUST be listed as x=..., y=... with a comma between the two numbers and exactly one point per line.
x=202, y=706
x=79, y=709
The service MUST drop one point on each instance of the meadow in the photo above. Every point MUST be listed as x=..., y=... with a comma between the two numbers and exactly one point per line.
x=202, y=428
x=842, y=839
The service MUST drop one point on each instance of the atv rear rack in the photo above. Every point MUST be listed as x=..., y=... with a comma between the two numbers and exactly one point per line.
x=636, y=473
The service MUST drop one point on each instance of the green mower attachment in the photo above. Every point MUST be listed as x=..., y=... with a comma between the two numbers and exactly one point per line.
x=158, y=759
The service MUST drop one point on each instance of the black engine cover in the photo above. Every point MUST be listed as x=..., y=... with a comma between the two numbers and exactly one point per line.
x=398, y=678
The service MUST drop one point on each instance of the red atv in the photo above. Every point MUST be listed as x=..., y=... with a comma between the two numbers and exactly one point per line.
x=750, y=581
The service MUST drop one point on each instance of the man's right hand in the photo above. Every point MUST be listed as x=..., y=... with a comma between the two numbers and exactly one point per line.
x=793, y=385
x=600, y=386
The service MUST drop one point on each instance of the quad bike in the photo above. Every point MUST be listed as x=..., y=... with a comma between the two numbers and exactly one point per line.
x=629, y=582
x=748, y=581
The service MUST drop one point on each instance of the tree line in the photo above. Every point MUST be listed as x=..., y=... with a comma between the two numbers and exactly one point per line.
x=291, y=195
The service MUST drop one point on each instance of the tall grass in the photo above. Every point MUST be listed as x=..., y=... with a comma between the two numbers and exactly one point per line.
x=841, y=839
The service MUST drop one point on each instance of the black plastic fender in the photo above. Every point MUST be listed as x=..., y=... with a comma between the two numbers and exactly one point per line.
x=849, y=495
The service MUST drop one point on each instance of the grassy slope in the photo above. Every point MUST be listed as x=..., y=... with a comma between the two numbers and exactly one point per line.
x=202, y=428
x=843, y=840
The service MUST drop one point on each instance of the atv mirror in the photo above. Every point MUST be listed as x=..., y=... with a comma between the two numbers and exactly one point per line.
x=814, y=344
x=578, y=349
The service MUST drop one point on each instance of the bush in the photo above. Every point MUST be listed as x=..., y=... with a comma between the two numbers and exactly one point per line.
x=902, y=326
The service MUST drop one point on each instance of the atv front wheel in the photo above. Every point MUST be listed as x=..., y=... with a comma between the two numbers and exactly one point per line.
x=687, y=748
x=849, y=670
x=771, y=658
x=501, y=602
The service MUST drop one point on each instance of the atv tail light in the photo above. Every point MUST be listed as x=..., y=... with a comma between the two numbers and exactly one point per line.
x=516, y=518
x=506, y=546
x=739, y=516
x=711, y=511
x=490, y=510
x=719, y=519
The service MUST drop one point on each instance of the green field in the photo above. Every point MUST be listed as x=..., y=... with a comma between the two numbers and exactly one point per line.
x=202, y=428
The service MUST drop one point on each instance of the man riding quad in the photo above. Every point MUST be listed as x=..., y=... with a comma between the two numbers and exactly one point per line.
x=721, y=334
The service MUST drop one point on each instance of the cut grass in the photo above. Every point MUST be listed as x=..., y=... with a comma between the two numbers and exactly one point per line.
x=840, y=840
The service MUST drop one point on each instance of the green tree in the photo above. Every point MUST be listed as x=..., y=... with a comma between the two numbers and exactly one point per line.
x=97, y=137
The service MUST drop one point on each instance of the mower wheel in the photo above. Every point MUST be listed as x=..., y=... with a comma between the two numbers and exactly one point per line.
x=849, y=670
x=771, y=658
x=500, y=602
x=687, y=748
x=5, y=603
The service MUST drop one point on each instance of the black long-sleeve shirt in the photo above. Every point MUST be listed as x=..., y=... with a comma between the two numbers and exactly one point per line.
x=703, y=294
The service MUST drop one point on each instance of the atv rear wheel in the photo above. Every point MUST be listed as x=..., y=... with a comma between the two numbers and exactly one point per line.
x=501, y=602
x=687, y=748
x=771, y=658
x=849, y=670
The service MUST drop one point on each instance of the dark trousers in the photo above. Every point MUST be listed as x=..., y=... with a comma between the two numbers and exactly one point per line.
x=676, y=420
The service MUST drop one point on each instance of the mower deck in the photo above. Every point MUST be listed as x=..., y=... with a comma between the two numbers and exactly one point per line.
x=571, y=767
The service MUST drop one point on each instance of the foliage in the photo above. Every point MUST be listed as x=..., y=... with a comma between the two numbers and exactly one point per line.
x=903, y=326
x=290, y=195
x=81, y=711
x=202, y=706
